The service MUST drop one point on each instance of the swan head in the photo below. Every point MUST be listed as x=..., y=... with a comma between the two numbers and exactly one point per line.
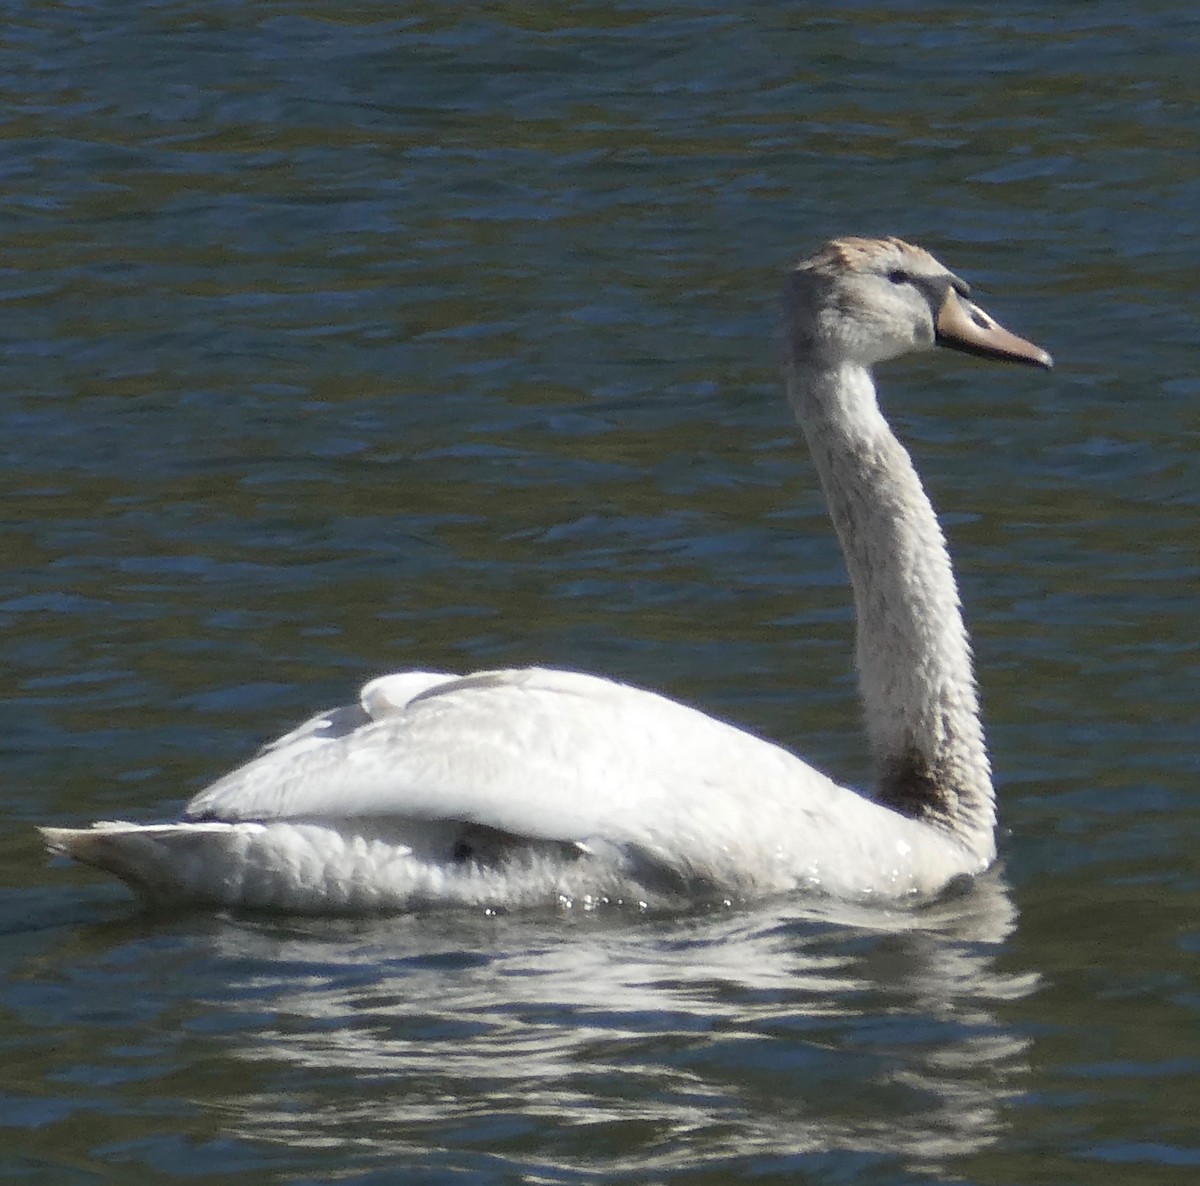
x=862, y=301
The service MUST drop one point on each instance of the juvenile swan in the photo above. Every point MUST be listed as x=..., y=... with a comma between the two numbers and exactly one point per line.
x=518, y=787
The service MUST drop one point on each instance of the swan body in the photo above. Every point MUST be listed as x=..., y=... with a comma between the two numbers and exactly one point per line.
x=520, y=787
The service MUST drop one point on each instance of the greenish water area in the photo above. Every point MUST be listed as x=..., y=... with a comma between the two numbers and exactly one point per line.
x=340, y=339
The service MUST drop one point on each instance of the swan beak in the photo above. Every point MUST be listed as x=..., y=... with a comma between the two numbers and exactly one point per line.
x=963, y=325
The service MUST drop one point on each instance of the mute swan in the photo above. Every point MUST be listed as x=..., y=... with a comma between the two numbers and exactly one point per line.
x=504, y=788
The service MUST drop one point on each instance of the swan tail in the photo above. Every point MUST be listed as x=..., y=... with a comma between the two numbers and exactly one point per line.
x=163, y=864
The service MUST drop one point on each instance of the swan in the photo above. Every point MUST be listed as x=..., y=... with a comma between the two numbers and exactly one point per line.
x=517, y=787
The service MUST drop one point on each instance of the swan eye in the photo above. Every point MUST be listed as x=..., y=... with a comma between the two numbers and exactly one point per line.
x=899, y=276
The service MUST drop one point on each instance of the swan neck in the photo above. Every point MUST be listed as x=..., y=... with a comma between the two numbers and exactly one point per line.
x=916, y=678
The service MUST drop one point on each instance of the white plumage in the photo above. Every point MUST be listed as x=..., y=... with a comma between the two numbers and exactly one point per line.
x=509, y=788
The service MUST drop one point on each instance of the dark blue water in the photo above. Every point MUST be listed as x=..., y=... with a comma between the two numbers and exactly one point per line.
x=338, y=340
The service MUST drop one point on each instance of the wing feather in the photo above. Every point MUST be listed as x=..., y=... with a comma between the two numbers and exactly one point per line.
x=544, y=754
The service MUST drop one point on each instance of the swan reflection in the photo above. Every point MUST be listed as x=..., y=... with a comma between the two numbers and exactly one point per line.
x=654, y=1043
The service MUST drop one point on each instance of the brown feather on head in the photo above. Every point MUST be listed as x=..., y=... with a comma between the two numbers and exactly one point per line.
x=855, y=254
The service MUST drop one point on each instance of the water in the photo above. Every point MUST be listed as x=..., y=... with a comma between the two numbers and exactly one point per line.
x=341, y=340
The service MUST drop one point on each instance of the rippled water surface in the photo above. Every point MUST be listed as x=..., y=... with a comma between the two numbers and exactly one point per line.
x=344, y=338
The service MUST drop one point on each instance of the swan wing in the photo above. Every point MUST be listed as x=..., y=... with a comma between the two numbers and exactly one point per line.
x=544, y=754
x=385, y=696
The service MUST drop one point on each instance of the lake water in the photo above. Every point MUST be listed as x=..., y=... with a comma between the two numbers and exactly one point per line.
x=347, y=338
